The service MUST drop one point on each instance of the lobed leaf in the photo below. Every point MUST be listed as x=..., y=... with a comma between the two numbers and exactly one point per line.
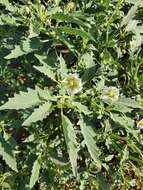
x=82, y=108
x=7, y=153
x=69, y=19
x=45, y=69
x=89, y=135
x=35, y=173
x=26, y=46
x=22, y=100
x=131, y=13
x=127, y=123
x=71, y=142
x=39, y=114
x=63, y=67
x=128, y=102
x=76, y=32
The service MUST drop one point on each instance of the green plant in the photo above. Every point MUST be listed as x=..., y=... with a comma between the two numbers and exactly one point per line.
x=73, y=118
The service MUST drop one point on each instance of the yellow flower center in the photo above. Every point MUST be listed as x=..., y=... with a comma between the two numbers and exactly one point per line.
x=111, y=93
x=72, y=83
x=141, y=123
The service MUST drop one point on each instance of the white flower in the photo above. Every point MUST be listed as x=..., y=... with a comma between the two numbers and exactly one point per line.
x=140, y=124
x=72, y=84
x=110, y=93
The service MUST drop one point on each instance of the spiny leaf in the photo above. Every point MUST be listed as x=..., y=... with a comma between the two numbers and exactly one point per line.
x=128, y=102
x=7, y=5
x=76, y=32
x=63, y=67
x=44, y=94
x=26, y=46
x=16, y=52
x=70, y=19
x=71, y=142
x=87, y=60
x=39, y=114
x=89, y=135
x=57, y=158
x=127, y=123
x=45, y=69
x=131, y=13
x=125, y=155
x=133, y=26
x=82, y=108
x=89, y=74
x=10, y=140
x=35, y=173
x=22, y=100
x=7, y=154
x=7, y=20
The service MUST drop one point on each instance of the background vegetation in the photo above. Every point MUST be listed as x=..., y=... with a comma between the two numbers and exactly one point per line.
x=51, y=139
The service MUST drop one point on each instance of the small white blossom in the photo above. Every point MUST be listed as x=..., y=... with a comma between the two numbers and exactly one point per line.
x=72, y=84
x=110, y=93
x=140, y=124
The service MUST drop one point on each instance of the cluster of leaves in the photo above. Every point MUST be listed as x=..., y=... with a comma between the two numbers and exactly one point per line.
x=53, y=140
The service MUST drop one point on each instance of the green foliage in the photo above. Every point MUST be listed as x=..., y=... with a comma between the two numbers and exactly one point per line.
x=7, y=153
x=45, y=68
x=89, y=135
x=22, y=100
x=35, y=173
x=134, y=26
x=71, y=97
x=39, y=114
x=71, y=142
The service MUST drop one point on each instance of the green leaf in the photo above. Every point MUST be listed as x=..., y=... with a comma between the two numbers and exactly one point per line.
x=89, y=135
x=7, y=153
x=16, y=52
x=35, y=173
x=7, y=5
x=22, y=100
x=122, y=109
x=131, y=13
x=9, y=139
x=4, y=20
x=33, y=32
x=57, y=2
x=44, y=94
x=89, y=74
x=39, y=114
x=57, y=158
x=71, y=142
x=134, y=26
x=70, y=19
x=125, y=155
x=87, y=60
x=76, y=32
x=127, y=123
x=63, y=67
x=45, y=69
x=53, y=10
x=128, y=102
x=82, y=108
x=26, y=46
